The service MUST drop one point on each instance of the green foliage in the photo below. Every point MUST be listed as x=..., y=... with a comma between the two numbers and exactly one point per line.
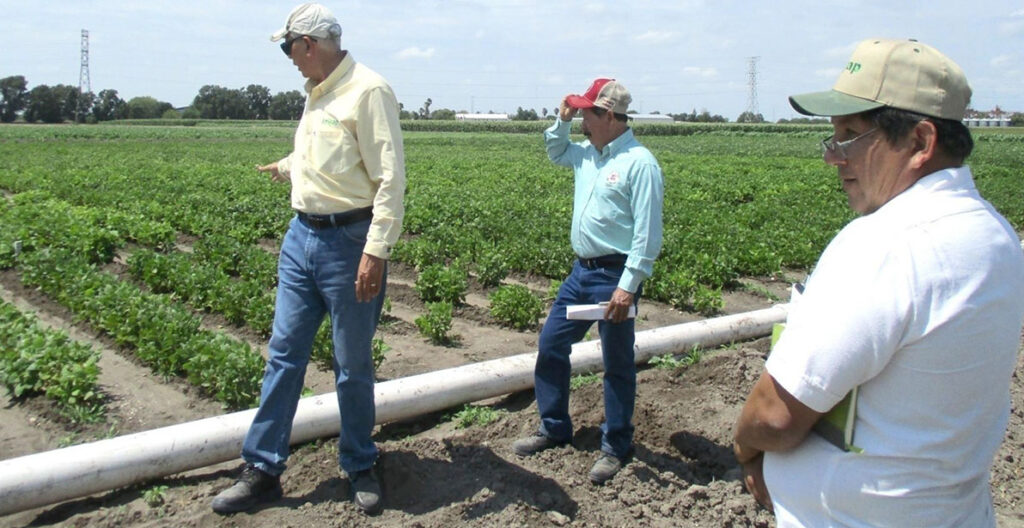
x=492, y=267
x=378, y=350
x=708, y=301
x=471, y=415
x=516, y=306
x=35, y=360
x=162, y=334
x=582, y=380
x=442, y=283
x=436, y=324
x=553, y=288
x=154, y=496
x=670, y=362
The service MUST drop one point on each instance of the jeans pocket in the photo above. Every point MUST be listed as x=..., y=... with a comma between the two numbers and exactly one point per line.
x=354, y=233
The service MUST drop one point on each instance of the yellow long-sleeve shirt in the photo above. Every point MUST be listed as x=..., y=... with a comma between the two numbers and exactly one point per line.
x=348, y=152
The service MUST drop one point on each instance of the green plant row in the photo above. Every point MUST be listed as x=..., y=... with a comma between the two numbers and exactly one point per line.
x=748, y=201
x=35, y=360
x=205, y=287
x=162, y=334
x=197, y=188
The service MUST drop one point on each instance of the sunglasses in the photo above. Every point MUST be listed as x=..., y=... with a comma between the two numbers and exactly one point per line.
x=286, y=46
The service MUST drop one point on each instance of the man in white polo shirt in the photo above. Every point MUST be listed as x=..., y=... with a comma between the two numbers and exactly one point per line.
x=347, y=176
x=917, y=303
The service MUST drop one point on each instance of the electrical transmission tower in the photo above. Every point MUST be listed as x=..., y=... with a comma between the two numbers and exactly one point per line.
x=752, y=85
x=84, y=86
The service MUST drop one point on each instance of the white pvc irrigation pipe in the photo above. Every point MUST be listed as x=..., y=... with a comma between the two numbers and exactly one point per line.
x=54, y=476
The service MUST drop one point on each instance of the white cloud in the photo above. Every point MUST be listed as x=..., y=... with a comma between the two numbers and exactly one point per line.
x=414, y=52
x=700, y=72
x=1002, y=60
x=656, y=37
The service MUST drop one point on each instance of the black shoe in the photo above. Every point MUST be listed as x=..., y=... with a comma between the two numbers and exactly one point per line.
x=532, y=445
x=252, y=488
x=366, y=491
x=606, y=467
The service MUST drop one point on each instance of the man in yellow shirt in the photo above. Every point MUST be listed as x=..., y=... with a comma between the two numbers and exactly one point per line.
x=347, y=173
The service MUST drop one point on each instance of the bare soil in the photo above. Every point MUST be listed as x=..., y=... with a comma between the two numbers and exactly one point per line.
x=436, y=475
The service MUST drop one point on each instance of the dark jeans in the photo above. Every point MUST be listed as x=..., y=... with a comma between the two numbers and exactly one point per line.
x=587, y=286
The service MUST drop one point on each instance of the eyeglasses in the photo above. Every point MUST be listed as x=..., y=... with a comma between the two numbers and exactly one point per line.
x=838, y=148
x=286, y=46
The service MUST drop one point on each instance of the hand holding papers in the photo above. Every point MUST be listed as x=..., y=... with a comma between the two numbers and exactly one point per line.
x=591, y=312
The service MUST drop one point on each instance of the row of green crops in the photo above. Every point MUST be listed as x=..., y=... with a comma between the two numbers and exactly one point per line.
x=56, y=248
x=740, y=201
x=35, y=360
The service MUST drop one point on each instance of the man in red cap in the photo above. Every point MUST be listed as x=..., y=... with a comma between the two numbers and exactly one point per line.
x=616, y=234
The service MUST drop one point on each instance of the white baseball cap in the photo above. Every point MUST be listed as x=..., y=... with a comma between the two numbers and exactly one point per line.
x=309, y=19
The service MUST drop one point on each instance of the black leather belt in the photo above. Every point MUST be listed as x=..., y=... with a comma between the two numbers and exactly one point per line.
x=336, y=219
x=605, y=261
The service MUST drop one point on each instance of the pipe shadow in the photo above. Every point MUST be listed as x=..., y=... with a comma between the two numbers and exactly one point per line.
x=64, y=511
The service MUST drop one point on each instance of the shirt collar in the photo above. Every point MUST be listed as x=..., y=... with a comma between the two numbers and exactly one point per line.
x=618, y=144
x=332, y=80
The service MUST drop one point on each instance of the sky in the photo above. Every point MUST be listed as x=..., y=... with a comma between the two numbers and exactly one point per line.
x=674, y=56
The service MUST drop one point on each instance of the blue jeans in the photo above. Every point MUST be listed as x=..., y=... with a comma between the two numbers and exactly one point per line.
x=551, y=375
x=316, y=276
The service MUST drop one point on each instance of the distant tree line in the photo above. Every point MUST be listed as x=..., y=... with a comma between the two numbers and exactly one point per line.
x=60, y=103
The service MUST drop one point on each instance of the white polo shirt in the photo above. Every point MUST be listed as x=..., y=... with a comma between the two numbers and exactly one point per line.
x=920, y=305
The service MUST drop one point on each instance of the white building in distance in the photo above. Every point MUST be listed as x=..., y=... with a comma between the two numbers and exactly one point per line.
x=481, y=117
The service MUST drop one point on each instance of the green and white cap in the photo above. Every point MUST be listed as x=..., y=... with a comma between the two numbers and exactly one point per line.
x=903, y=74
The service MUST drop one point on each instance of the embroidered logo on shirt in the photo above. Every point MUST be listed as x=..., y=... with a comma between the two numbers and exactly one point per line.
x=612, y=179
x=330, y=121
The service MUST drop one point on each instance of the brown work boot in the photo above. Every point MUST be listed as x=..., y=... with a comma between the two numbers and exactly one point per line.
x=252, y=488
x=532, y=445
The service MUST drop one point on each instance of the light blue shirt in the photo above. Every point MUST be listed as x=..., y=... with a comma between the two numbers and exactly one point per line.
x=618, y=200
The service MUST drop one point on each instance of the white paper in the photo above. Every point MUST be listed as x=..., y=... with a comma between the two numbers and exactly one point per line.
x=591, y=312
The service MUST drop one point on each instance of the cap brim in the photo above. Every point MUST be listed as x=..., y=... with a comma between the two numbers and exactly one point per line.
x=576, y=101
x=279, y=34
x=831, y=103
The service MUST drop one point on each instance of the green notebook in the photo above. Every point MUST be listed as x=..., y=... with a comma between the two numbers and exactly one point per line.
x=836, y=426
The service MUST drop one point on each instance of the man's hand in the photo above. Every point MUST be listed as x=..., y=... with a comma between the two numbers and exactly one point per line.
x=566, y=112
x=369, y=277
x=618, y=307
x=275, y=175
x=753, y=480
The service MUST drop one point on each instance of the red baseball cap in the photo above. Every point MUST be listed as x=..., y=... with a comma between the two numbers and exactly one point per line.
x=603, y=93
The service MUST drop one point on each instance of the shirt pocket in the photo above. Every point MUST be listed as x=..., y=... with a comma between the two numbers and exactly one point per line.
x=612, y=185
x=328, y=150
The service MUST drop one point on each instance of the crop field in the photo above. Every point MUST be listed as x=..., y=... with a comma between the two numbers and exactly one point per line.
x=143, y=258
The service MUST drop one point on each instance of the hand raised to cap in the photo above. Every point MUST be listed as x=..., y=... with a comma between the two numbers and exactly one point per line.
x=566, y=112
